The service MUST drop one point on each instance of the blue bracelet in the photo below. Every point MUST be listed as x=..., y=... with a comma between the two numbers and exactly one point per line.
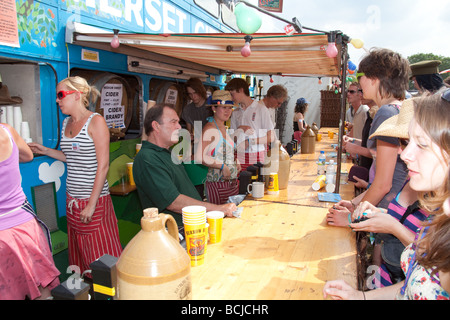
x=222, y=166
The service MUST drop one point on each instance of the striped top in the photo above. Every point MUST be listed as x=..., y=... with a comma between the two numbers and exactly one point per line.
x=81, y=162
x=413, y=221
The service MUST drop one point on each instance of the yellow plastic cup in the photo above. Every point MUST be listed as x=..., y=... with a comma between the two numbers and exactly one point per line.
x=319, y=137
x=196, y=243
x=330, y=134
x=130, y=173
x=215, y=220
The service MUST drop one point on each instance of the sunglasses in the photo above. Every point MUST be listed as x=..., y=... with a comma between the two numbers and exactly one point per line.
x=354, y=91
x=359, y=75
x=62, y=94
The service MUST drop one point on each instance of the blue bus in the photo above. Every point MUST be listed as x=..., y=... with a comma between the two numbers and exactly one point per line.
x=37, y=51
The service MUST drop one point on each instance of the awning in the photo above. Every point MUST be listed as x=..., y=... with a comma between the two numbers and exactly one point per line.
x=275, y=54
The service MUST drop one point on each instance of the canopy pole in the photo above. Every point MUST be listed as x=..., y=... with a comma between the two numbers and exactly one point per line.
x=344, y=62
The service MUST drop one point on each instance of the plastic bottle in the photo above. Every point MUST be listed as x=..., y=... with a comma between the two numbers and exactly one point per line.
x=321, y=163
x=331, y=172
x=331, y=177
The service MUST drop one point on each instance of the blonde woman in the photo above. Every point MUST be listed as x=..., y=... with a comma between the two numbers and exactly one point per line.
x=91, y=221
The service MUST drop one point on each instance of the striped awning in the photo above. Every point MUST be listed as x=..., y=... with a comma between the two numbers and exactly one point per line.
x=276, y=54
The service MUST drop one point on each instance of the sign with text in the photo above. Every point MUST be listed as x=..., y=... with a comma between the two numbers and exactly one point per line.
x=113, y=111
x=271, y=5
x=9, y=34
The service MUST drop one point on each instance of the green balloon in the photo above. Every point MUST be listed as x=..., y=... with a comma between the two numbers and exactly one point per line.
x=247, y=19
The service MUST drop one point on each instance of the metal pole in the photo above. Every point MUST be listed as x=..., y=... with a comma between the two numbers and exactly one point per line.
x=344, y=61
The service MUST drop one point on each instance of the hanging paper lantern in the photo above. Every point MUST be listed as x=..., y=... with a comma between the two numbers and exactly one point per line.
x=247, y=19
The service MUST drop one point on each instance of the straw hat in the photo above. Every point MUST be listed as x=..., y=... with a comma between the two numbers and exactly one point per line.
x=220, y=97
x=6, y=99
x=397, y=126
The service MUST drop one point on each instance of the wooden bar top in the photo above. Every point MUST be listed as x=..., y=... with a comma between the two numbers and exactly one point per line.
x=304, y=172
x=275, y=252
x=281, y=247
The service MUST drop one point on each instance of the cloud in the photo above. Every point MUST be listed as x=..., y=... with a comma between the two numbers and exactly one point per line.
x=407, y=27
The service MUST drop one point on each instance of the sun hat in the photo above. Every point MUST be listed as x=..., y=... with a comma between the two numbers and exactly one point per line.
x=397, y=126
x=220, y=97
x=6, y=99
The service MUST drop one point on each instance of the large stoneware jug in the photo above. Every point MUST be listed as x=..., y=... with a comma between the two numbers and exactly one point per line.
x=308, y=144
x=154, y=265
x=284, y=168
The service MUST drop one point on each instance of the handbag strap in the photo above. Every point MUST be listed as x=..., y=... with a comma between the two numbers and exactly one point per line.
x=410, y=210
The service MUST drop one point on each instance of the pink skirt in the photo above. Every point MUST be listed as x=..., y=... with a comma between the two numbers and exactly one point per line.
x=26, y=262
x=88, y=242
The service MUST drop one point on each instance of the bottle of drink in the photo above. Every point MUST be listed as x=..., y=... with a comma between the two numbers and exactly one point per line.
x=321, y=163
x=331, y=172
x=331, y=177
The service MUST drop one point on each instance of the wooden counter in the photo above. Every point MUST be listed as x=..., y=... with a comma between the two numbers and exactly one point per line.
x=281, y=247
x=275, y=251
x=304, y=172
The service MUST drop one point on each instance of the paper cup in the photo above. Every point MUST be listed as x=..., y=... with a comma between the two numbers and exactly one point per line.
x=138, y=147
x=25, y=130
x=273, y=184
x=10, y=115
x=215, y=220
x=17, y=111
x=130, y=173
x=3, y=114
x=196, y=243
x=319, y=183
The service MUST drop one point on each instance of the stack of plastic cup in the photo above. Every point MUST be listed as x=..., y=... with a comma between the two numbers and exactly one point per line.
x=194, y=220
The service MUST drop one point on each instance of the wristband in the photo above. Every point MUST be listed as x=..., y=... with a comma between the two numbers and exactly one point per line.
x=221, y=168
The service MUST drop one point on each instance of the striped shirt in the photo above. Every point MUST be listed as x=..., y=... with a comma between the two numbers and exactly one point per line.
x=81, y=162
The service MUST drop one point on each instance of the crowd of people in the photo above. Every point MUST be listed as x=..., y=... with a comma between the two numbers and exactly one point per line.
x=405, y=205
x=402, y=142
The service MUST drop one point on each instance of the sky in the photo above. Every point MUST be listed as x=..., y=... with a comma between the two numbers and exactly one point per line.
x=407, y=27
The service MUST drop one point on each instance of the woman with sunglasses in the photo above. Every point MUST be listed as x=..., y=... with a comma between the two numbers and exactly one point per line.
x=91, y=221
x=217, y=151
x=425, y=262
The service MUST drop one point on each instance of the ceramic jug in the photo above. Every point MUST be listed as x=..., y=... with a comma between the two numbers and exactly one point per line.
x=284, y=168
x=154, y=265
x=308, y=144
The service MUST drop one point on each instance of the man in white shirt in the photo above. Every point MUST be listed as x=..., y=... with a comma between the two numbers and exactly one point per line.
x=255, y=128
x=275, y=97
